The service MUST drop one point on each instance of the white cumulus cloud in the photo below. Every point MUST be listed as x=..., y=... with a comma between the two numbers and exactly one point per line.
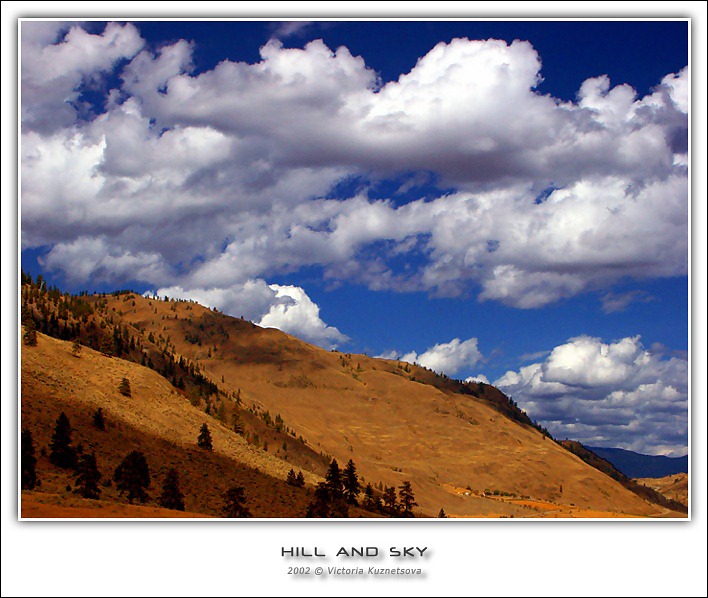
x=299, y=315
x=206, y=180
x=607, y=394
x=445, y=358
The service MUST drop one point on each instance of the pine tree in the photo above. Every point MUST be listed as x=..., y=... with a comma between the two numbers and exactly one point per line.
x=62, y=454
x=319, y=507
x=234, y=503
x=89, y=476
x=352, y=487
x=292, y=478
x=30, y=336
x=171, y=496
x=133, y=476
x=334, y=480
x=98, y=419
x=204, y=439
x=28, y=461
x=442, y=514
x=124, y=387
x=300, y=480
x=76, y=349
x=390, y=500
x=238, y=424
x=368, y=503
x=407, y=499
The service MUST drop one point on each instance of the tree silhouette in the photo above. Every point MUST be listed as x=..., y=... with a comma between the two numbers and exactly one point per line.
x=133, y=476
x=300, y=480
x=124, y=388
x=442, y=514
x=368, y=503
x=76, y=349
x=98, y=420
x=292, y=478
x=390, y=500
x=204, y=439
x=62, y=454
x=334, y=480
x=234, y=503
x=89, y=476
x=28, y=461
x=319, y=507
x=171, y=496
x=30, y=336
x=352, y=487
x=405, y=492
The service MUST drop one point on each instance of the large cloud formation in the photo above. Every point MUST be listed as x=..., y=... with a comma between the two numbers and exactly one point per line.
x=213, y=182
x=607, y=394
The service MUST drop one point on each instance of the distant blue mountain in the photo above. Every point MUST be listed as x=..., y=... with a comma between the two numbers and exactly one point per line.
x=636, y=465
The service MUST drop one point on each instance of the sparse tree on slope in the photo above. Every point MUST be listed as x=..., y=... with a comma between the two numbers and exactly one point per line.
x=28, y=461
x=133, y=476
x=89, y=476
x=407, y=499
x=171, y=496
x=62, y=454
x=442, y=514
x=234, y=503
x=292, y=478
x=204, y=439
x=390, y=500
x=30, y=336
x=98, y=419
x=368, y=503
x=334, y=480
x=352, y=488
x=124, y=388
x=300, y=480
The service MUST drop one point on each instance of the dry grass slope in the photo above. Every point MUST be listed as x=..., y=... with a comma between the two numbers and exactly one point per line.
x=394, y=426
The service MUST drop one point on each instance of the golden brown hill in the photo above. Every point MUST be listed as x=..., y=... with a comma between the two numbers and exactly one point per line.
x=673, y=487
x=397, y=422
x=156, y=420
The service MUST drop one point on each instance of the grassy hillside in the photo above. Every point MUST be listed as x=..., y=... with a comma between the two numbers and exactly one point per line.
x=674, y=487
x=274, y=402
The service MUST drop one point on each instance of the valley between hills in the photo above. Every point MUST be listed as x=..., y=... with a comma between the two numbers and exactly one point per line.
x=274, y=407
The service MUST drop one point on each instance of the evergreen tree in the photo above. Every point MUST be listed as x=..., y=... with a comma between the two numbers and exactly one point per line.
x=368, y=503
x=234, y=503
x=442, y=514
x=28, y=461
x=292, y=478
x=319, y=507
x=300, y=480
x=89, y=476
x=124, y=387
x=325, y=504
x=98, y=420
x=76, y=349
x=407, y=499
x=62, y=454
x=334, y=480
x=390, y=500
x=133, y=476
x=204, y=439
x=30, y=336
x=352, y=488
x=171, y=496
x=238, y=424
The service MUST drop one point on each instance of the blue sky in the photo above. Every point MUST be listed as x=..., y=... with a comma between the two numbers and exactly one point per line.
x=430, y=191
